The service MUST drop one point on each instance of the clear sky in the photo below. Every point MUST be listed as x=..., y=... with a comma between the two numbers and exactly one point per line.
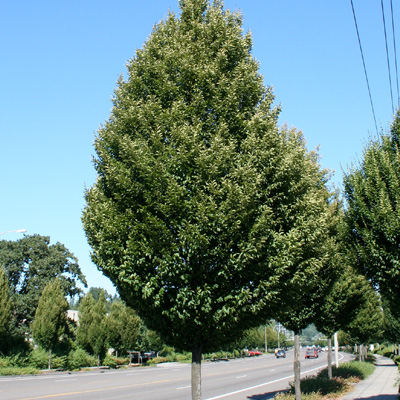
x=60, y=61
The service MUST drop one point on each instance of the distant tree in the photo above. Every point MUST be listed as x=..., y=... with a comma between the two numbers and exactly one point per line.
x=86, y=317
x=123, y=328
x=109, y=299
x=368, y=325
x=31, y=263
x=255, y=338
x=50, y=317
x=391, y=325
x=98, y=329
x=203, y=208
x=316, y=269
x=341, y=305
x=149, y=340
x=6, y=308
x=372, y=191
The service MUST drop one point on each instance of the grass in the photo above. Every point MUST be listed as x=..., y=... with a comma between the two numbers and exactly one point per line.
x=18, y=371
x=320, y=387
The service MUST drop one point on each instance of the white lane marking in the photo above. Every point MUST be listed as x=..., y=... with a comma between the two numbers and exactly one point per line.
x=243, y=376
x=65, y=380
x=183, y=387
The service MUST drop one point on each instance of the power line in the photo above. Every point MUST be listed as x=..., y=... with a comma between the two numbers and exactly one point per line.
x=365, y=70
x=395, y=55
x=387, y=55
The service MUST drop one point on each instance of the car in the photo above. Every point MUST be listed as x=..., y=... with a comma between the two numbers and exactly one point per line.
x=311, y=353
x=280, y=353
x=253, y=353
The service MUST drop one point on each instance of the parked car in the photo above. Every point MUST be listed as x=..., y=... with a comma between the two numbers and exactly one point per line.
x=280, y=353
x=311, y=353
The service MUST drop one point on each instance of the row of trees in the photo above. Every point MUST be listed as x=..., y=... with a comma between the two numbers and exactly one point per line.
x=104, y=322
x=211, y=219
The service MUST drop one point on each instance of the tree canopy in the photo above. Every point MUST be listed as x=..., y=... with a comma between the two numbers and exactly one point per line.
x=372, y=191
x=6, y=308
x=31, y=263
x=50, y=317
x=204, y=213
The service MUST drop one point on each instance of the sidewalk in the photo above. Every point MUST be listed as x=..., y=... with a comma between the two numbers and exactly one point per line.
x=381, y=385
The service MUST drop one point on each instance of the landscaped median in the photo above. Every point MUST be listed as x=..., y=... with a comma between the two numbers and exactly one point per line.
x=320, y=387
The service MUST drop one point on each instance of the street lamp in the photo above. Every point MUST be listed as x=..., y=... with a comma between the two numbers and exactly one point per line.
x=16, y=231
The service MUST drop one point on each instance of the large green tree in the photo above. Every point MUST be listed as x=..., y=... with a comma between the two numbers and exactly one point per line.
x=198, y=211
x=31, y=263
x=372, y=190
x=50, y=317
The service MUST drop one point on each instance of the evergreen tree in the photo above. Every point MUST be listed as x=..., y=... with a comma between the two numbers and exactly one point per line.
x=6, y=308
x=123, y=328
x=97, y=333
x=202, y=207
x=50, y=317
x=85, y=321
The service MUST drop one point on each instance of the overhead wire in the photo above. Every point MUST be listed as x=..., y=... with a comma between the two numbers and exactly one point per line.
x=395, y=55
x=387, y=55
x=365, y=69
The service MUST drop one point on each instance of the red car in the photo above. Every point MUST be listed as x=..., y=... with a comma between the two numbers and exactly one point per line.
x=253, y=353
x=311, y=353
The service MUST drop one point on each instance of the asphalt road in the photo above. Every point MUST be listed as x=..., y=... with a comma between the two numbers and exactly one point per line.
x=255, y=378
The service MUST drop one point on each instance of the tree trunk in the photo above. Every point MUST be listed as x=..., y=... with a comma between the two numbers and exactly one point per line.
x=360, y=350
x=98, y=360
x=196, y=373
x=336, y=350
x=330, y=358
x=297, y=388
x=50, y=359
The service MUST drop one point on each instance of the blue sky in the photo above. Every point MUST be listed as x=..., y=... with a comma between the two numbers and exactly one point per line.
x=60, y=62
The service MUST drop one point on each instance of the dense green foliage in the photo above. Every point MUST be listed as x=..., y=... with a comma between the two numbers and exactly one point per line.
x=85, y=322
x=344, y=301
x=97, y=333
x=31, y=263
x=50, y=317
x=372, y=191
x=367, y=326
x=204, y=214
x=6, y=308
x=123, y=328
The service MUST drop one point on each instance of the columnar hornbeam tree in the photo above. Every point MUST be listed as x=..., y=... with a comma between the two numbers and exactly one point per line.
x=198, y=210
x=372, y=190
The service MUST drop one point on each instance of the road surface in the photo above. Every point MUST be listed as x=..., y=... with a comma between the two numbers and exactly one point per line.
x=255, y=378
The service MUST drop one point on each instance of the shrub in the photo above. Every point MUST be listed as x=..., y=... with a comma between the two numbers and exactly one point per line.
x=4, y=362
x=321, y=385
x=157, y=360
x=110, y=361
x=80, y=359
x=39, y=358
